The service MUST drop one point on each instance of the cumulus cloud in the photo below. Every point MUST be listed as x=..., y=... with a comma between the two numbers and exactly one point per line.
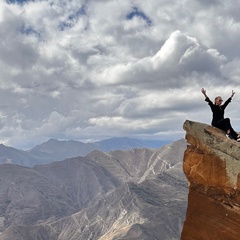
x=179, y=57
x=95, y=69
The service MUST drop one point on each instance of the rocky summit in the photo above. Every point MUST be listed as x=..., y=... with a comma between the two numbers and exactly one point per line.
x=212, y=167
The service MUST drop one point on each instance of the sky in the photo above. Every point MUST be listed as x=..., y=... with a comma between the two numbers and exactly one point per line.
x=89, y=70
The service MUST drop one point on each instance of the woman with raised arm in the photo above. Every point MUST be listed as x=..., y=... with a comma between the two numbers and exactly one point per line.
x=218, y=119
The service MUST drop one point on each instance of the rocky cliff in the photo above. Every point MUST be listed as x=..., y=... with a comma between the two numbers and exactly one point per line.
x=212, y=167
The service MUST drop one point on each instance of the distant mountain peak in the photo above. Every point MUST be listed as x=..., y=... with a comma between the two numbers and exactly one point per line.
x=57, y=150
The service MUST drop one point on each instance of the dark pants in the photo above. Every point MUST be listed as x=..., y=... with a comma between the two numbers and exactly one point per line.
x=225, y=125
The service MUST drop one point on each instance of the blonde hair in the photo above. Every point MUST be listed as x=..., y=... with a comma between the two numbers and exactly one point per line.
x=216, y=98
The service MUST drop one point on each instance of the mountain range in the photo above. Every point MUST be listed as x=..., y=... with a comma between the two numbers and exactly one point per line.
x=137, y=194
x=56, y=150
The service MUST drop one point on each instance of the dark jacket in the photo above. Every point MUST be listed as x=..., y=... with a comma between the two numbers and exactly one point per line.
x=218, y=111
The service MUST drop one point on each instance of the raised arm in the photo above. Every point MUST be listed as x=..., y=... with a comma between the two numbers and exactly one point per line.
x=204, y=92
x=232, y=93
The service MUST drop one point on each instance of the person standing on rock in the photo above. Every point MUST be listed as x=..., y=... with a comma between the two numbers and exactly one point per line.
x=218, y=119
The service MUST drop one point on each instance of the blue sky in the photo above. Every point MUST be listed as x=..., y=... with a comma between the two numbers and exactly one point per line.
x=90, y=70
x=17, y=1
x=139, y=14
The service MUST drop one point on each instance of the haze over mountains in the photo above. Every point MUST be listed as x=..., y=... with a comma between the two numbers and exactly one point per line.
x=55, y=150
x=131, y=194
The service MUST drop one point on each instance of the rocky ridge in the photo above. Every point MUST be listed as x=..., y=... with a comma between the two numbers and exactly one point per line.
x=212, y=167
x=55, y=150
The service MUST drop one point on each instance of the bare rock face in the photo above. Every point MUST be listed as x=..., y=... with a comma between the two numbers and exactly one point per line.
x=212, y=167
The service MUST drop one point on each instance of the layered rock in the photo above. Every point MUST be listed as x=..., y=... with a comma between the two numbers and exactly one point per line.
x=212, y=167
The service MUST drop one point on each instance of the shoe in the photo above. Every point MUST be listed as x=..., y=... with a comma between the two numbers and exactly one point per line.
x=238, y=139
x=229, y=136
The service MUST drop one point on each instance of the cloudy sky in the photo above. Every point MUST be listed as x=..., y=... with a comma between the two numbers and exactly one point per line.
x=94, y=69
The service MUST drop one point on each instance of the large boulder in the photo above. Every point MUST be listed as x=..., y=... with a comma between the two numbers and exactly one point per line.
x=212, y=166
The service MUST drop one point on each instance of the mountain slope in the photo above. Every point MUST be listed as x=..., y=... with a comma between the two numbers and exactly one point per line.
x=138, y=164
x=79, y=178
x=16, y=156
x=152, y=210
x=133, y=194
x=27, y=197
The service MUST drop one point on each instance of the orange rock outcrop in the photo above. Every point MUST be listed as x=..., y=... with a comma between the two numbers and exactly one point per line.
x=212, y=167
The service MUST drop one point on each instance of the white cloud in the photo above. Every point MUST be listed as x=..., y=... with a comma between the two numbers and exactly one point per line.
x=96, y=69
